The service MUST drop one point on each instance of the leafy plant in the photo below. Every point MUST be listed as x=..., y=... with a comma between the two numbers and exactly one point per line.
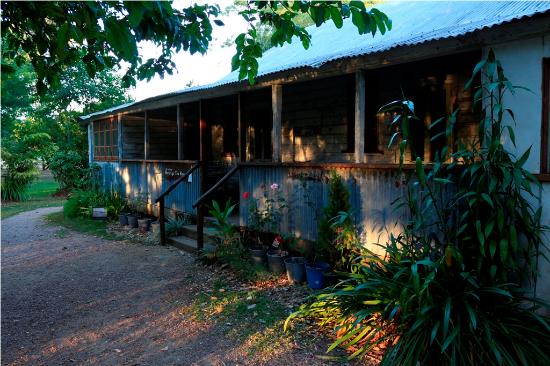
x=265, y=213
x=115, y=204
x=67, y=167
x=138, y=203
x=81, y=202
x=176, y=225
x=449, y=290
x=226, y=231
x=336, y=230
x=19, y=159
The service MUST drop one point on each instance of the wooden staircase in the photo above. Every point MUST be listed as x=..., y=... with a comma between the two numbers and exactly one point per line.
x=188, y=240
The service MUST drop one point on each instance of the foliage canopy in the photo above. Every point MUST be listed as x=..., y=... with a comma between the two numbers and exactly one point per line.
x=106, y=34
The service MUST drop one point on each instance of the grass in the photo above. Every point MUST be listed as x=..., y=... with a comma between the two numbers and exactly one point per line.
x=80, y=224
x=40, y=194
x=250, y=316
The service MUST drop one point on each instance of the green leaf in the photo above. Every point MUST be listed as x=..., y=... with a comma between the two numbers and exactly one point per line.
x=420, y=171
x=503, y=250
x=447, y=316
x=480, y=236
x=523, y=158
x=120, y=39
x=493, y=248
x=513, y=238
x=434, y=331
x=336, y=17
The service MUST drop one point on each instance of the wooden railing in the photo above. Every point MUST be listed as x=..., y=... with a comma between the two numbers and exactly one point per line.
x=199, y=205
x=160, y=200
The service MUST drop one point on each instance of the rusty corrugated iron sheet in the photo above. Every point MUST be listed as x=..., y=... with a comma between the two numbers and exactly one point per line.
x=414, y=22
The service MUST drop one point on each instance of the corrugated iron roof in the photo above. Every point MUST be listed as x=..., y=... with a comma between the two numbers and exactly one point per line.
x=414, y=22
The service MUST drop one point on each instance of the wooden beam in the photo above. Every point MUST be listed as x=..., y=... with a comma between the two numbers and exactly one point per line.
x=180, y=132
x=359, y=117
x=240, y=116
x=120, y=135
x=91, y=143
x=146, y=137
x=277, y=133
x=202, y=175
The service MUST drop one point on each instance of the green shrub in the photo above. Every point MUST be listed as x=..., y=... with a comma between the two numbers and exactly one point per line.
x=19, y=158
x=80, y=203
x=67, y=167
x=449, y=291
x=176, y=225
x=334, y=241
x=71, y=207
x=115, y=204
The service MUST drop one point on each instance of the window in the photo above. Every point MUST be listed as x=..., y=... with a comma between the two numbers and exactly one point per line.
x=106, y=139
x=545, y=128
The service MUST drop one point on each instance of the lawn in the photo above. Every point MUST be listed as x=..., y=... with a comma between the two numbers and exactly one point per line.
x=82, y=225
x=40, y=194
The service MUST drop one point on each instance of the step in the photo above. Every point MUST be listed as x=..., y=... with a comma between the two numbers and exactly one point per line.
x=183, y=243
x=190, y=231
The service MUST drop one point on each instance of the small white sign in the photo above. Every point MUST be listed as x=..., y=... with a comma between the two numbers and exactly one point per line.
x=99, y=213
x=190, y=178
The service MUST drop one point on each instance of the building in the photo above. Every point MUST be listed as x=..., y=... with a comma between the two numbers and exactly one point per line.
x=316, y=110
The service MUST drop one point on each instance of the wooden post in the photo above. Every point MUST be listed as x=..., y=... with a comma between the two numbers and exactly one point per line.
x=180, y=132
x=359, y=117
x=241, y=156
x=202, y=175
x=91, y=142
x=276, y=108
x=161, y=222
x=120, y=135
x=146, y=137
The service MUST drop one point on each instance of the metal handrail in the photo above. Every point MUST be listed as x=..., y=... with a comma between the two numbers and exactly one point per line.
x=178, y=181
x=160, y=200
x=228, y=175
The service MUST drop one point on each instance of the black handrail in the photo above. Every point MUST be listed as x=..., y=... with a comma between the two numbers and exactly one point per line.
x=178, y=181
x=160, y=200
x=216, y=186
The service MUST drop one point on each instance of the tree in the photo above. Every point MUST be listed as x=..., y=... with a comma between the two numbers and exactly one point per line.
x=46, y=127
x=105, y=35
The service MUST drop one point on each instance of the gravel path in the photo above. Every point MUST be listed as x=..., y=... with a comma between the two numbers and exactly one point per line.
x=70, y=299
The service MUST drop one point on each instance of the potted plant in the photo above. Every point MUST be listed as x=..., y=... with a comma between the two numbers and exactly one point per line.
x=295, y=265
x=123, y=218
x=144, y=224
x=256, y=248
x=137, y=205
x=276, y=256
x=295, y=269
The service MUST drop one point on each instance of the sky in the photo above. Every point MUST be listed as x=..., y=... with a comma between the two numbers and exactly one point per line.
x=200, y=69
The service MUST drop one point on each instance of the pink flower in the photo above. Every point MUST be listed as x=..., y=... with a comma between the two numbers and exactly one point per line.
x=246, y=195
x=274, y=187
x=277, y=241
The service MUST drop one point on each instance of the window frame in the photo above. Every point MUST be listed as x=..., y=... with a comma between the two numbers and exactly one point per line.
x=105, y=149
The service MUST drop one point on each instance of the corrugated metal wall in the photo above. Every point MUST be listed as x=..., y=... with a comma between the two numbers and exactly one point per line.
x=148, y=178
x=306, y=192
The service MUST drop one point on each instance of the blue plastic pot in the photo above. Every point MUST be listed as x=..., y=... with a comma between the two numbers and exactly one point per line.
x=315, y=276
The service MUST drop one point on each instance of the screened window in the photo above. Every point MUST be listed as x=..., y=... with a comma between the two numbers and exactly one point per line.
x=105, y=139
